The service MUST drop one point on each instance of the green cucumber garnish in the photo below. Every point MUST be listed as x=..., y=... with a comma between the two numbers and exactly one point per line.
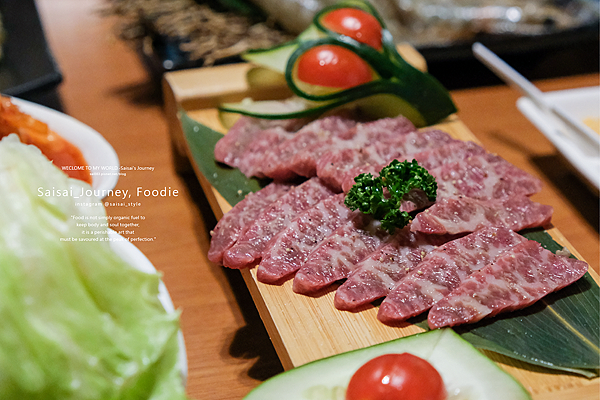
x=411, y=92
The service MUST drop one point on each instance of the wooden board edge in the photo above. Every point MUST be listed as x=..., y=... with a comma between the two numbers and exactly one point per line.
x=267, y=318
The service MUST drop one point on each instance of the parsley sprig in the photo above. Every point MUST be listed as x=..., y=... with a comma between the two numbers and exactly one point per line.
x=369, y=194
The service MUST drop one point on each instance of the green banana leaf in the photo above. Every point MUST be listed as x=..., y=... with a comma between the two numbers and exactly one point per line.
x=229, y=182
x=562, y=331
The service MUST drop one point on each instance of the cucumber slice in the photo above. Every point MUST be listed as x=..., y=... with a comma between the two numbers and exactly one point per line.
x=377, y=103
x=372, y=107
x=467, y=373
x=276, y=58
x=294, y=107
x=261, y=78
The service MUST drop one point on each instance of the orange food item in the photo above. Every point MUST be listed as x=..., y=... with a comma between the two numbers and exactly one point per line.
x=31, y=131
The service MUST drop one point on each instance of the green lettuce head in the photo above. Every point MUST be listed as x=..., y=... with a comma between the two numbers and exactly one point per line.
x=78, y=322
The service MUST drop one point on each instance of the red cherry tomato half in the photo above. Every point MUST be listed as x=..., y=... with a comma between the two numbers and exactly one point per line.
x=396, y=376
x=333, y=66
x=359, y=25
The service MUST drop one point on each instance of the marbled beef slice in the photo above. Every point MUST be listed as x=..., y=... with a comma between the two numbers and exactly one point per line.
x=454, y=215
x=290, y=248
x=304, y=162
x=443, y=269
x=274, y=218
x=484, y=177
x=276, y=162
x=251, y=161
x=518, y=278
x=333, y=167
x=338, y=255
x=230, y=226
x=231, y=147
x=428, y=159
x=376, y=275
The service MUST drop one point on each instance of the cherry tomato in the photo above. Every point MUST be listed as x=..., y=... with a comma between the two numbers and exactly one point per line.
x=396, y=377
x=357, y=24
x=333, y=66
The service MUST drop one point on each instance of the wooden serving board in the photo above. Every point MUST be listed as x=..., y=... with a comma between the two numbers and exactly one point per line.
x=305, y=328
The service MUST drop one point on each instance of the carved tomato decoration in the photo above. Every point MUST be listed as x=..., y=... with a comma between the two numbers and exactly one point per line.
x=333, y=66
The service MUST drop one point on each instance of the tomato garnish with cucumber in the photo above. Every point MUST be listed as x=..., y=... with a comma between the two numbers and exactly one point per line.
x=396, y=376
x=346, y=59
x=355, y=23
x=433, y=365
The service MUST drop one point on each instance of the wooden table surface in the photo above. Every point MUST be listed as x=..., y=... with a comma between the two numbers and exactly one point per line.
x=107, y=87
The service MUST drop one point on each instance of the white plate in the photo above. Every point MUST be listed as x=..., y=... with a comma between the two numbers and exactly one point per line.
x=96, y=150
x=133, y=256
x=580, y=104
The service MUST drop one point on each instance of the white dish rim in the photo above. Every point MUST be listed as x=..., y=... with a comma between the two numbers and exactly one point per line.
x=588, y=166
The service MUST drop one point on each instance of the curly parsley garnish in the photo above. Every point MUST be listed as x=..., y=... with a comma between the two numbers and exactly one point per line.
x=399, y=178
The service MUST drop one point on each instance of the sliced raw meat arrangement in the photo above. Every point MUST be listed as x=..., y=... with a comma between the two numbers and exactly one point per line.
x=271, y=220
x=290, y=248
x=454, y=215
x=461, y=258
x=300, y=156
x=276, y=162
x=518, y=278
x=443, y=269
x=336, y=256
x=376, y=275
x=428, y=159
x=304, y=162
x=251, y=161
x=333, y=165
x=386, y=130
x=234, y=146
x=484, y=177
x=230, y=226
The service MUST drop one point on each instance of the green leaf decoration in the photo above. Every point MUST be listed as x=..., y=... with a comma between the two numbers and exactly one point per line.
x=561, y=331
x=229, y=182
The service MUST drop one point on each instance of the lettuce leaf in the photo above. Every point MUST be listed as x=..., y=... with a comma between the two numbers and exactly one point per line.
x=78, y=322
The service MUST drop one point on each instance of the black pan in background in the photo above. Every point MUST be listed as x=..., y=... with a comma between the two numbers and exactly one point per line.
x=27, y=67
x=566, y=53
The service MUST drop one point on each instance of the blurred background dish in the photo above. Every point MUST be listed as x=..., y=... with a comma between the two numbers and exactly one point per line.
x=582, y=104
x=98, y=153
